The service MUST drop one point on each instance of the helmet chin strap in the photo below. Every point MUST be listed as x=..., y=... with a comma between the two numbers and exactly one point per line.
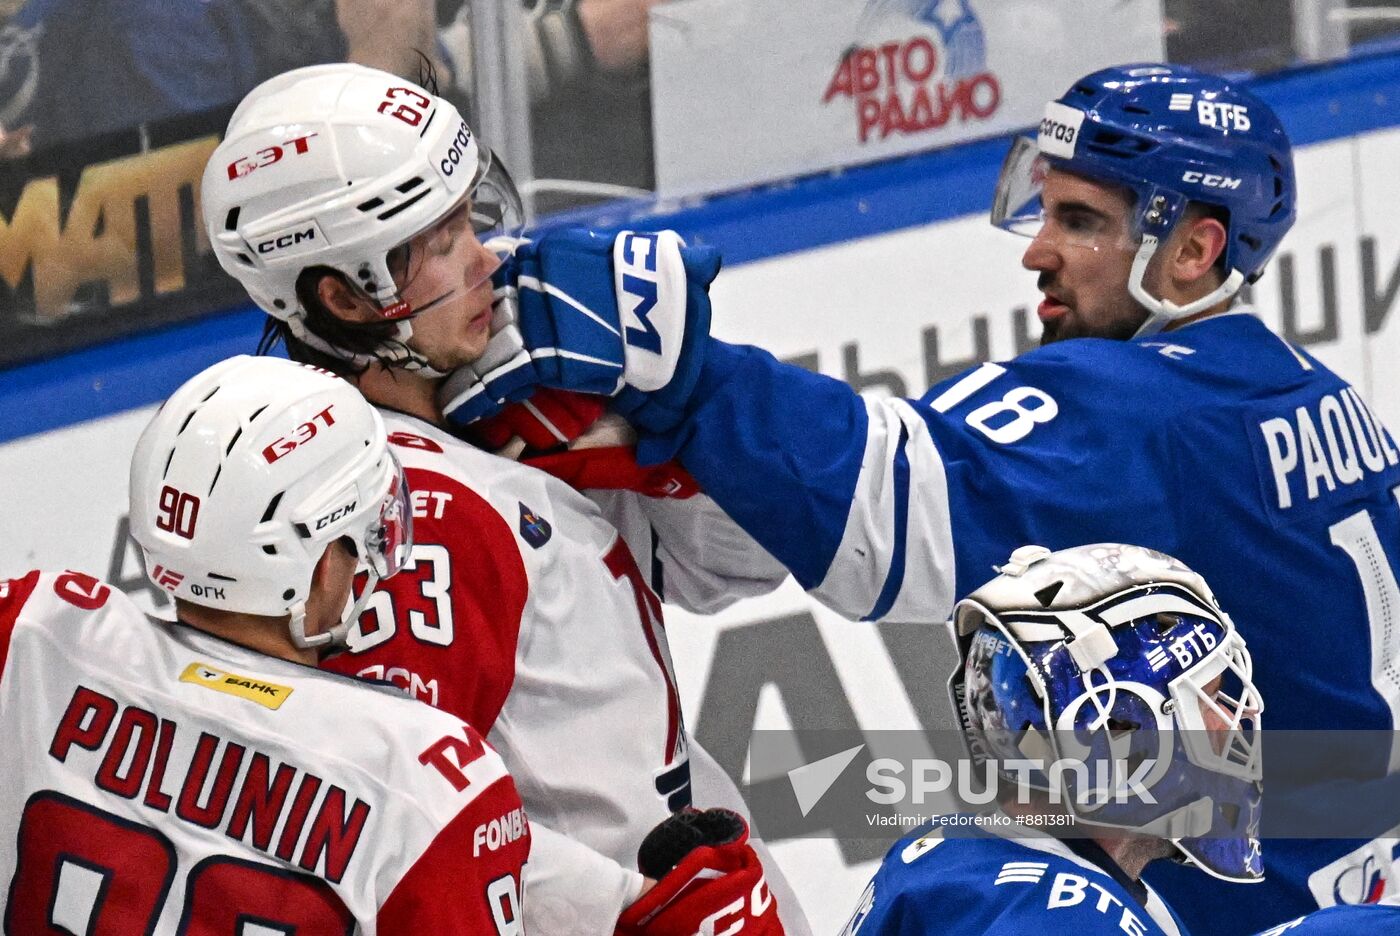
x=1162, y=312
x=335, y=636
x=398, y=354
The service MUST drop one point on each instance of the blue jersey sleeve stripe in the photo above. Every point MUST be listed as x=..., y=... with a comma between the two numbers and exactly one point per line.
x=777, y=447
x=894, y=579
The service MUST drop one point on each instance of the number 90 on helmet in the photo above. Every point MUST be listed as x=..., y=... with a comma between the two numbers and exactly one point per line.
x=248, y=472
x=1118, y=660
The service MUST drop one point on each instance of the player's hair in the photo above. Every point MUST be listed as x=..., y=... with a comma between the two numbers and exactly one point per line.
x=369, y=338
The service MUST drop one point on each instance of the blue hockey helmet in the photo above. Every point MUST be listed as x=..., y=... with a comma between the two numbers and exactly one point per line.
x=1109, y=677
x=1171, y=135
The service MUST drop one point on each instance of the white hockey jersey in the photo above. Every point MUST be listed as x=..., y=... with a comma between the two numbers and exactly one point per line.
x=524, y=612
x=160, y=780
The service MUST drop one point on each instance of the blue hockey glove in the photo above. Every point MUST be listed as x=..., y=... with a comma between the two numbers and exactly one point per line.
x=504, y=373
x=625, y=317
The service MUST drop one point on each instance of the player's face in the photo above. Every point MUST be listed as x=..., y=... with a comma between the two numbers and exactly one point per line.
x=1218, y=726
x=1084, y=253
x=444, y=274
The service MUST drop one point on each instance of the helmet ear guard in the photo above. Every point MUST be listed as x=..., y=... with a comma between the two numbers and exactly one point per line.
x=1129, y=705
x=1172, y=136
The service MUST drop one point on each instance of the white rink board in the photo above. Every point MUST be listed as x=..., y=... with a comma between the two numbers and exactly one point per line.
x=880, y=295
x=747, y=91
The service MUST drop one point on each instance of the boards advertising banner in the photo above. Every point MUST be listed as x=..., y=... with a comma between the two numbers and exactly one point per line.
x=750, y=91
x=102, y=238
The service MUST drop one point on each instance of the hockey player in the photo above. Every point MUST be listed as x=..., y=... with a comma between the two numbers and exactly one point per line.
x=201, y=775
x=353, y=206
x=1153, y=193
x=1074, y=654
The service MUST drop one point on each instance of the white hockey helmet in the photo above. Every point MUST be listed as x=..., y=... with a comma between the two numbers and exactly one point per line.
x=248, y=472
x=335, y=166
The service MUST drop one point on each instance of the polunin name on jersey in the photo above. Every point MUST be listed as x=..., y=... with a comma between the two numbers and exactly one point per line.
x=158, y=778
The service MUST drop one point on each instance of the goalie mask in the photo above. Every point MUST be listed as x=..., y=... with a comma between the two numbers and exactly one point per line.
x=340, y=167
x=1171, y=136
x=245, y=476
x=1114, y=668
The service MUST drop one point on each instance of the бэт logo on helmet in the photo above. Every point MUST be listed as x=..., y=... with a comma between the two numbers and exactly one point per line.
x=922, y=64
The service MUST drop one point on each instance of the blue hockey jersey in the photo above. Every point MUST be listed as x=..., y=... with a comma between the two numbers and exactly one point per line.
x=1370, y=919
x=1218, y=443
x=967, y=881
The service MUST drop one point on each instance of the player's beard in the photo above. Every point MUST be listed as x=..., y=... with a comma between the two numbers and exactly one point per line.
x=1120, y=327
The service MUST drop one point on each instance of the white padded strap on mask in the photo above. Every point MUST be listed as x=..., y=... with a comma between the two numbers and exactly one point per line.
x=1093, y=644
x=1162, y=312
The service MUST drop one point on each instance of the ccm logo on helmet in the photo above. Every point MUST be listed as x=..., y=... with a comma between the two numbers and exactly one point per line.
x=456, y=151
x=1211, y=181
x=334, y=515
x=283, y=241
x=299, y=436
x=245, y=165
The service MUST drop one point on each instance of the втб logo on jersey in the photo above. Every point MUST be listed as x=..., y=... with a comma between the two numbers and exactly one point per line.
x=1071, y=890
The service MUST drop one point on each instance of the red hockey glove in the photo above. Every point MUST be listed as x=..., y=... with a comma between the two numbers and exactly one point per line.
x=573, y=437
x=708, y=880
x=615, y=468
x=548, y=420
